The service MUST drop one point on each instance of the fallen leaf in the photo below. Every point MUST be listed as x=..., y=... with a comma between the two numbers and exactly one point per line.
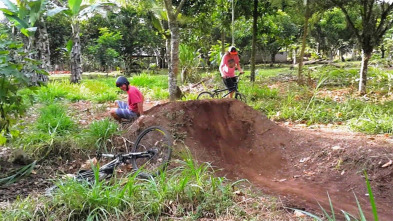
x=298, y=213
x=239, y=193
x=387, y=164
x=304, y=159
x=336, y=148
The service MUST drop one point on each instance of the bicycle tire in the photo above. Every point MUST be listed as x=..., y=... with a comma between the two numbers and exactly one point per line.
x=157, y=138
x=205, y=95
x=241, y=97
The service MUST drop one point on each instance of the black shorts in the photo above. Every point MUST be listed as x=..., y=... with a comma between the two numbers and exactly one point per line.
x=230, y=83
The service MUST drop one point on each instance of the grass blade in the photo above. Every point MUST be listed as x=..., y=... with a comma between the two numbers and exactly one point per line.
x=24, y=171
x=371, y=196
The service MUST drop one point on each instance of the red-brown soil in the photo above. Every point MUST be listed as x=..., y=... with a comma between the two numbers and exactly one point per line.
x=301, y=165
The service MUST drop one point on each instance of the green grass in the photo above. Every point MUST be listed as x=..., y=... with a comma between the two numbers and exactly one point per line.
x=331, y=216
x=150, y=81
x=54, y=119
x=189, y=191
x=99, y=132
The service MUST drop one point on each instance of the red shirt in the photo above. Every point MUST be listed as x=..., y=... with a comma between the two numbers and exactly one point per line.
x=134, y=97
x=227, y=71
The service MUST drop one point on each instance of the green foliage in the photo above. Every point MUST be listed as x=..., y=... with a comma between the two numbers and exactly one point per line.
x=106, y=47
x=215, y=54
x=99, y=132
x=20, y=173
x=54, y=119
x=99, y=91
x=150, y=81
x=190, y=191
x=12, y=60
x=189, y=60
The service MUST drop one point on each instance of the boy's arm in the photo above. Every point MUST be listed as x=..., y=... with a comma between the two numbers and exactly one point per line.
x=222, y=65
x=238, y=66
x=140, y=107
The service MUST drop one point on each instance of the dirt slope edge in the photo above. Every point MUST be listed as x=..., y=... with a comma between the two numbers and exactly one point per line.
x=242, y=141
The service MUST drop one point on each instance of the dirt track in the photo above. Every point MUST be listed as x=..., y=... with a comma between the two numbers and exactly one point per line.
x=299, y=165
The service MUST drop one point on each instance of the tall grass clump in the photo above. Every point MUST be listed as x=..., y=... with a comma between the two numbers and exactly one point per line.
x=99, y=132
x=52, y=92
x=189, y=191
x=54, y=119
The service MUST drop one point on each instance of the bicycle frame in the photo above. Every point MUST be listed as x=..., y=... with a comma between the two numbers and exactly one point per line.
x=119, y=159
x=235, y=89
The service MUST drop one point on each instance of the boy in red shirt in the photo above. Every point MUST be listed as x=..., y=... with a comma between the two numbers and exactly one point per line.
x=230, y=62
x=134, y=108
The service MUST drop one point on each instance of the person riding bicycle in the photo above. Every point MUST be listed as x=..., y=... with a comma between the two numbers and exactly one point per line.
x=230, y=61
x=134, y=108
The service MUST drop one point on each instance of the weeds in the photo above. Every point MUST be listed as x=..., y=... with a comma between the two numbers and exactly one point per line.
x=99, y=132
x=348, y=217
x=54, y=119
x=189, y=190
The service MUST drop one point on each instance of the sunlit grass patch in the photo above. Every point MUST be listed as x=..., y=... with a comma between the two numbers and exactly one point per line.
x=149, y=81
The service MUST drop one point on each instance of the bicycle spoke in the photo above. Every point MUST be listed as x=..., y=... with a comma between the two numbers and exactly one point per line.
x=159, y=142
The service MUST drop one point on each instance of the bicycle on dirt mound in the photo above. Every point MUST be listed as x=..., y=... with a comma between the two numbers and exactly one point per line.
x=218, y=92
x=149, y=156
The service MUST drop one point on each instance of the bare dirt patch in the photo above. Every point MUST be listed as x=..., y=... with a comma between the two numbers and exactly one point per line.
x=300, y=164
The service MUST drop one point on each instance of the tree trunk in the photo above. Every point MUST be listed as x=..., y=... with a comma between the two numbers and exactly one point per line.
x=304, y=38
x=294, y=53
x=272, y=59
x=383, y=51
x=42, y=45
x=76, y=66
x=167, y=52
x=363, y=71
x=222, y=43
x=174, y=60
x=254, y=37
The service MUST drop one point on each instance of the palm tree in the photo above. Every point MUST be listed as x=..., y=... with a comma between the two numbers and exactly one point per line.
x=76, y=12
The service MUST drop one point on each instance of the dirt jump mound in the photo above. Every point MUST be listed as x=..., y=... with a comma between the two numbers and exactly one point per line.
x=245, y=144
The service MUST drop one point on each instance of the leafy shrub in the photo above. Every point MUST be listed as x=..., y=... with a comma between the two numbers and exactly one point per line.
x=13, y=62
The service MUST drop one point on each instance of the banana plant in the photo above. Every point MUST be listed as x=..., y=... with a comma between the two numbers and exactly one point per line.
x=76, y=11
x=27, y=17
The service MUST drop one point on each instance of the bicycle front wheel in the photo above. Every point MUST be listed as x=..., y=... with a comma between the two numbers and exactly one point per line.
x=205, y=95
x=157, y=140
x=240, y=97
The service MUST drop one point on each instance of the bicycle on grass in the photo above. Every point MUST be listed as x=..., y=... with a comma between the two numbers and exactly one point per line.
x=149, y=156
x=217, y=92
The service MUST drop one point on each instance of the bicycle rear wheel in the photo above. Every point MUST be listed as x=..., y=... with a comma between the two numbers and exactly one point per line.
x=205, y=95
x=240, y=97
x=157, y=140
